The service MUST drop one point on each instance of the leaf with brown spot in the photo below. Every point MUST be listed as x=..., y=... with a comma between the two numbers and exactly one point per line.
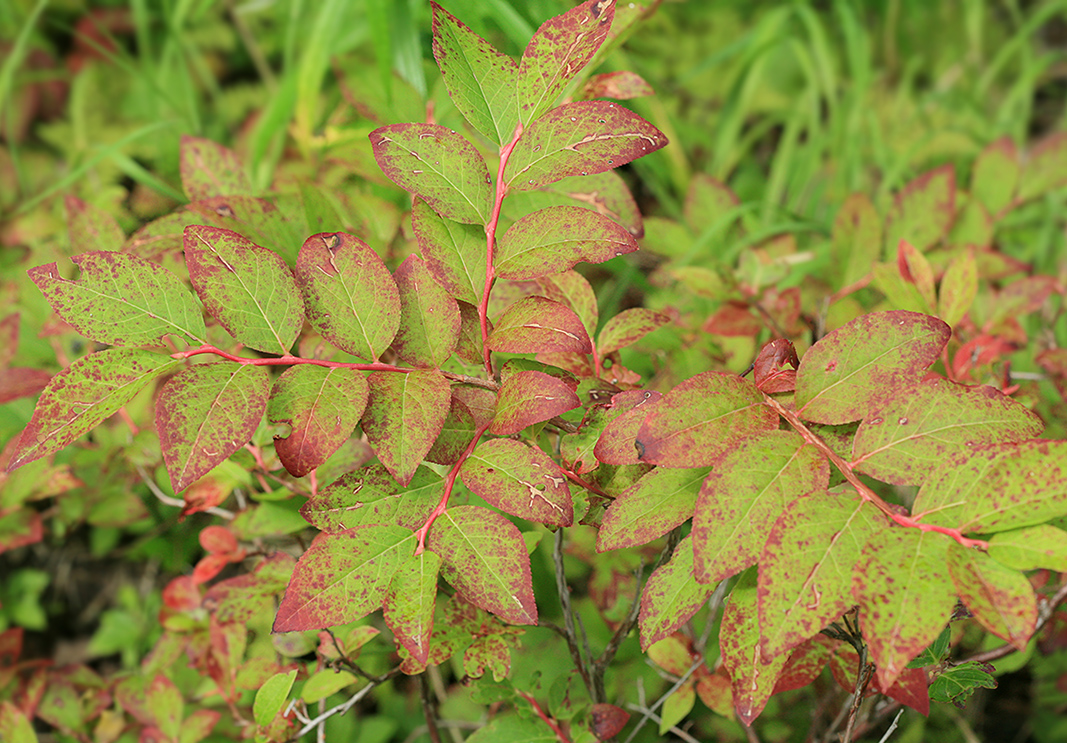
x=671, y=596
x=519, y=480
x=404, y=416
x=429, y=317
x=529, y=397
x=617, y=444
x=655, y=504
x=572, y=289
x=537, y=324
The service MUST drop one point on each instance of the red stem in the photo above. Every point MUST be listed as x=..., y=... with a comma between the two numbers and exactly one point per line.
x=544, y=716
x=579, y=480
x=450, y=483
x=288, y=360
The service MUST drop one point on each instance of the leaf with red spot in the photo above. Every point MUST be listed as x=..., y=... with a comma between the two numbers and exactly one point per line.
x=456, y=433
x=1001, y=599
x=701, y=419
x=247, y=288
x=409, y=602
x=655, y=504
x=520, y=480
x=205, y=414
x=454, y=252
x=91, y=228
x=628, y=327
x=745, y=494
x=995, y=175
x=121, y=300
x=857, y=239
x=429, y=317
x=439, y=166
x=164, y=704
x=314, y=410
x=605, y=193
x=369, y=496
x=209, y=169
x=257, y=219
x=343, y=577
x=620, y=85
x=404, y=416
x=579, y=138
x=483, y=555
x=529, y=397
x=923, y=210
x=805, y=663
x=351, y=298
x=856, y=368
x=572, y=289
x=671, y=596
x=617, y=444
x=537, y=324
x=1030, y=548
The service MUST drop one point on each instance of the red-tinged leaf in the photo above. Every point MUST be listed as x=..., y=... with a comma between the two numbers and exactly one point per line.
x=343, y=577
x=554, y=239
x=248, y=289
x=905, y=596
x=1000, y=598
x=480, y=401
x=208, y=567
x=910, y=689
x=573, y=290
x=121, y=300
x=579, y=138
x=314, y=410
x=856, y=368
x=369, y=496
x=17, y=382
x=753, y=675
x=257, y=219
x=439, y=166
x=701, y=419
x=456, y=433
x=959, y=287
x=454, y=252
x=1024, y=296
x=469, y=345
x=519, y=480
x=916, y=270
x=480, y=80
x=805, y=580
x=15, y=727
x=537, y=324
x=995, y=175
x=857, y=239
x=923, y=210
x=605, y=193
x=61, y=707
x=483, y=555
x=429, y=317
x=733, y=319
x=182, y=594
x=774, y=369
x=164, y=704
x=82, y=396
x=251, y=595
x=409, y=602
x=1030, y=548
x=351, y=298
x=218, y=539
x=805, y=663
x=530, y=397
x=608, y=720
x=11, y=646
x=209, y=169
x=490, y=653
x=620, y=86
x=1044, y=169
x=715, y=691
x=651, y=507
x=745, y=494
x=907, y=439
x=671, y=596
x=199, y=725
x=405, y=414
x=618, y=443
x=627, y=327
x=91, y=228
x=673, y=654
x=206, y=413
x=20, y=528
x=558, y=51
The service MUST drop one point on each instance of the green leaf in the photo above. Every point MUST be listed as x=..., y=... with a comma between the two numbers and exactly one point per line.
x=248, y=289
x=1031, y=548
x=537, y=325
x=91, y=228
x=480, y=80
x=676, y=707
x=916, y=270
x=858, y=367
x=271, y=697
x=454, y=252
x=256, y=219
x=580, y=138
x=857, y=239
x=627, y=327
x=701, y=419
x=206, y=413
x=439, y=166
x=671, y=596
x=164, y=704
x=529, y=397
x=82, y=396
x=313, y=410
x=15, y=727
x=923, y=211
x=514, y=729
x=209, y=169
x=905, y=441
x=745, y=494
x=520, y=480
x=959, y=287
x=995, y=175
x=905, y=596
x=369, y=496
x=456, y=433
x=1045, y=166
x=429, y=317
x=484, y=557
x=956, y=683
x=618, y=443
x=655, y=504
x=351, y=298
x=404, y=417
x=121, y=300
x=1000, y=598
x=326, y=683
x=710, y=207
x=343, y=577
x=937, y=651
x=605, y=193
x=572, y=289
x=409, y=603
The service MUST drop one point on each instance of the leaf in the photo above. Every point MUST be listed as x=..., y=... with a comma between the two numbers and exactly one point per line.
x=710, y=206
x=209, y=169
x=618, y=443
x=857, y=239
x=745, y=494
x=923, y=210
x=620, y=85
x=454, y=252
x=580, y=138
x=995, y=175
x=805, y=580
x=608, y=720
x=351, y=298
x=370, y=496
x=515, y=729
x=572, y=289
x=1044, y=168
x=248, y=289
x=677, y=707
x=775, y=367
x=206, y=413
x=91, y=228
x=904, y=441
x=701, y=419
x=82, y=396
x=956, y=683
x=628, y=327
x=1000, y=598
x=326, y=683
x=429, y=317
x=343, y=577
x=655, y=504
x=529, y=397
x=805, y=663
x=121, y=300
x=959, y=287
x=314, y=410
x=671, y=596
x=404, y=416
x=561, y=47
x=15, y=727
x=165, y=705
x=605, y=193
x=456, y=433
x=21, y=381
x=439, y=166
x=537, y=325
x=904, y=594
x=1031, y=548
x=256, y=219
x=916, y=270
x=480, y=80
x=408, y=604
x=485, y=558
x=853, y=370
x=519, y=480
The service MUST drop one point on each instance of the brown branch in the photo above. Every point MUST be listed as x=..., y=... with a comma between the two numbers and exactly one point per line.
x=568, y=631
x=429, y=709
